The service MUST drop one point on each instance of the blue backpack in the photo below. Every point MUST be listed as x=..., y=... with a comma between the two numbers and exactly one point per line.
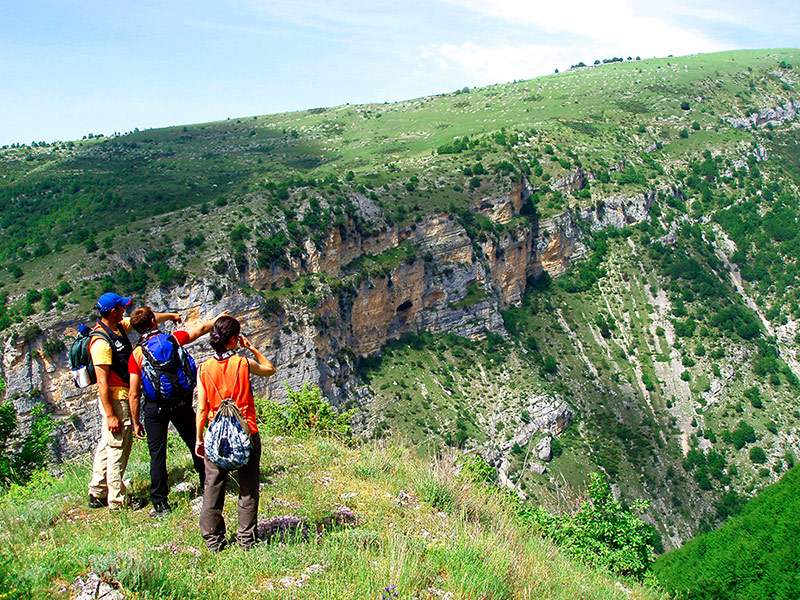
x=169, y=373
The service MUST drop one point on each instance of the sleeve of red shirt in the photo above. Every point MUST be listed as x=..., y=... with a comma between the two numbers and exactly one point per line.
x=182, y=337
x=133, y=365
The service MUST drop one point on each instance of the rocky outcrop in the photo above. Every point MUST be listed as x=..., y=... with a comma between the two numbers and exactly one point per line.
x=573, y=182
x=556, y=242
x=618, y=211
x=548, y=414
x=778, y=114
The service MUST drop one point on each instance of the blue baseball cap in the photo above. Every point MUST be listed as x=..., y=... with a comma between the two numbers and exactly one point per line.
x=110, y=301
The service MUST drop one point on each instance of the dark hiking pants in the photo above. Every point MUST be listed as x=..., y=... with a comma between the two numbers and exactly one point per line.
x=212, y=525
x=156, y=424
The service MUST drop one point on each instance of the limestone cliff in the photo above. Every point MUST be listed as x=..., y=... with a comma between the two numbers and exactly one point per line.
x=446, y=283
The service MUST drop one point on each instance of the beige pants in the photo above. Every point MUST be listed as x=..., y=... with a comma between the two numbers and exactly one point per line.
x=111, y=455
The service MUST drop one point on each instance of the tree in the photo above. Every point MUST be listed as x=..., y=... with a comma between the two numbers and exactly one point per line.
x=19, y=460
x=757, y=455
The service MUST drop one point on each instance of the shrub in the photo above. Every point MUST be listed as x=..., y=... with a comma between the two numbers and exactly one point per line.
x=603, y=533
x=754, y=395
x=753, y=555
x=757, y=455
x=474, y=468
x=435, y=492
x=273, y=249
x=550, y=365
x=306, y=411
x=741, y=436
x=63, y=288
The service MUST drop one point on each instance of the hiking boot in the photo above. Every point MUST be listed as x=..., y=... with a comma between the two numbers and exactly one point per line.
x=95, y=502
x=160, y=509
x=135, y=503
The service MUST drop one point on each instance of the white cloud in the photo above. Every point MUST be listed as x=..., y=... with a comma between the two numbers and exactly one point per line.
x=479, y=64
x=616, y=24
x=574, y=30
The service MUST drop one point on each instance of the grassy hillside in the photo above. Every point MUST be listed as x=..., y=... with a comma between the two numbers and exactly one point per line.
x=415, y=157
x=340, y=522
x=754, y=555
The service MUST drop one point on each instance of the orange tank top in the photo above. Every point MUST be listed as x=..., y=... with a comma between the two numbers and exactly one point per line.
x=229, y=378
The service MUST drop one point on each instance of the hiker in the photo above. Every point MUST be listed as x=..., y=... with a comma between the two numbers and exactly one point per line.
x=223, y=376
x=110, y=350
x=163, y=376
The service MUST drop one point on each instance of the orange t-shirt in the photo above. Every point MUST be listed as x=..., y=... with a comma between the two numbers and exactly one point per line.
x=229, y=378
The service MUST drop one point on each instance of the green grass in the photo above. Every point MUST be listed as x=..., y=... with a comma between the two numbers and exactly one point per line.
x=445, y=535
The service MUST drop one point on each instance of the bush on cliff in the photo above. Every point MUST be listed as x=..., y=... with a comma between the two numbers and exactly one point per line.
x=306, y=411
x=602, y=533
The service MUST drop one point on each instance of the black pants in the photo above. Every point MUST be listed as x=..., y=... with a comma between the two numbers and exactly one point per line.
x=156, y=424
x=212, y=525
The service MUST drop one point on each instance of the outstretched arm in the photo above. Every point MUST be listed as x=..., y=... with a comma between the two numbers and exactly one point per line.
x=174, y=317
x=204, y=328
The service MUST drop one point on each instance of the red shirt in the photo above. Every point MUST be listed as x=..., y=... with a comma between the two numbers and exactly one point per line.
x=135, y=361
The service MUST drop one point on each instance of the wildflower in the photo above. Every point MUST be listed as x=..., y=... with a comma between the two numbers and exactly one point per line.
x=284, y=527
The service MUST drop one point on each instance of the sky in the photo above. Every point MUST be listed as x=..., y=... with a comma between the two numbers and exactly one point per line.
x=73, y=67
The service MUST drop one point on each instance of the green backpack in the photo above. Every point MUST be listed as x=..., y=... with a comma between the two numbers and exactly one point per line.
x=80, y=360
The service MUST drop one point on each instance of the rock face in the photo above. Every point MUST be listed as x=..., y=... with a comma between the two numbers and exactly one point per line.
x=619, y=211
x=544, y=449
x=447, y=282
x=777, y=114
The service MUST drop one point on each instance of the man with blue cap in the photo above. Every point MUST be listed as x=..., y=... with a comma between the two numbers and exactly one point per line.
x=110, y=351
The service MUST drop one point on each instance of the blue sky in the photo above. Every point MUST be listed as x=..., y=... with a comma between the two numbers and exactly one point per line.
x=73, y=67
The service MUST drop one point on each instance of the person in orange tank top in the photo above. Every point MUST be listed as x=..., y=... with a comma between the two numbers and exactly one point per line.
x=227, y=375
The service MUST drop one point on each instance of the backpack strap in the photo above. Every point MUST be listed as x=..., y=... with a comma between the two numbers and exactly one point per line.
x=234, y=385
x=234, y=409
x=105, y=327
x=119, y=356
x=98, y=333
x=146, y=336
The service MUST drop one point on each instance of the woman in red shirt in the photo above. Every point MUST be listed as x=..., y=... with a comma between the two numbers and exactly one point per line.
x=227, y=375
